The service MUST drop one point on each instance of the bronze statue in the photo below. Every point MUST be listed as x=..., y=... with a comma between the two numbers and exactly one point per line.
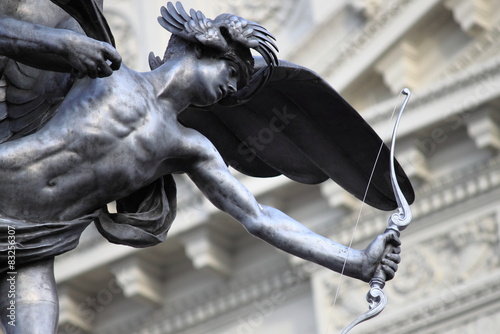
x=93, y=136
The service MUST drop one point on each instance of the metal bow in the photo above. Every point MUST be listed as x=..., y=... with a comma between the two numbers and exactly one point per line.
x=398, y=221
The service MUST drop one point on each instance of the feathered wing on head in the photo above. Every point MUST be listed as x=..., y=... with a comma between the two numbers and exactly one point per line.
x=197, y=28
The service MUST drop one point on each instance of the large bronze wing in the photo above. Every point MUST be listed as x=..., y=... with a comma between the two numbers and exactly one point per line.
x=29, y=96
x=299, y=126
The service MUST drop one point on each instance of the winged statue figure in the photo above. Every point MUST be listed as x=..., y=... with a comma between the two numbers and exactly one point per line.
x=78, y=130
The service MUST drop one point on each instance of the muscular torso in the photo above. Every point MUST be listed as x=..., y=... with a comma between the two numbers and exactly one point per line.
x=109, y=138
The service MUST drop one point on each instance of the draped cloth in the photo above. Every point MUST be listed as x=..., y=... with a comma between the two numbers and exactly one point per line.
x=142, y=220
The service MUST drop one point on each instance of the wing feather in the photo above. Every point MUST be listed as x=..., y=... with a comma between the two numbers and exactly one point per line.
x=31, y=98
x=19, y=76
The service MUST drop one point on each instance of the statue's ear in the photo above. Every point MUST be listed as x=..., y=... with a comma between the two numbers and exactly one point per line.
x=154, y=61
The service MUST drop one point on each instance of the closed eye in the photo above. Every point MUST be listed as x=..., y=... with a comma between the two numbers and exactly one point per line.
x=232, y=71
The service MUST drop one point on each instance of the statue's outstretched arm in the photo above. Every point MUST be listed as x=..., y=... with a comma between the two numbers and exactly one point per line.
x=56, y=49
x=271, y=225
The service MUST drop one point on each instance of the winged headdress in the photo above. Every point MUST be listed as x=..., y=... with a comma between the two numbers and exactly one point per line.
x=227, y=34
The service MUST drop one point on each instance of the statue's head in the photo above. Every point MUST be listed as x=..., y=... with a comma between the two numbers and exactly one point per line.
x=238, y=55
x=226, y=37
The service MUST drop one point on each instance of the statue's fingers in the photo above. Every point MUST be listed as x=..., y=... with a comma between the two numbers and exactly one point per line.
x=92, y=69
x=78, y=68
x=393, y=237
x=396, y=250
x=391, y=257
x=389, y=271
x=113, y=57
x=104, y=70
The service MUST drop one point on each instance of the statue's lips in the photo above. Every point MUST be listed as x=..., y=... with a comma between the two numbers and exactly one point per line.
x=222, y=92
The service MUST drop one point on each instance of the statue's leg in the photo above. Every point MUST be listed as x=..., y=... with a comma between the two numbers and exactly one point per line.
x=36, y=308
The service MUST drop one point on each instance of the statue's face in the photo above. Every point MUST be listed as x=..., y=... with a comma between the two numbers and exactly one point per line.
x=215, y=79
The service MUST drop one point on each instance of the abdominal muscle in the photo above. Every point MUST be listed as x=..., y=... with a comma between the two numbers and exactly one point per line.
x=74, y=165
x=61, y=184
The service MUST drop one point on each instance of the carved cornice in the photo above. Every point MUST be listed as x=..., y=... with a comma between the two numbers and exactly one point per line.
x=472, y=16
x=270, y=13
x=435, y=197
x=360, y=38
x=208, y=250
x=270, y=289
x=399, y=67
x=483, y=127
x=456, y=94
x=481, y=45
x=139, y=280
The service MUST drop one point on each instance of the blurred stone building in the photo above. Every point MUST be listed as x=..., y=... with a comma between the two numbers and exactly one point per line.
x=212, y=277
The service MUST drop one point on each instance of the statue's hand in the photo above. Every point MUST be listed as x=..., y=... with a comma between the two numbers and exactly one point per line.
x=383, y=253
x=89, y=57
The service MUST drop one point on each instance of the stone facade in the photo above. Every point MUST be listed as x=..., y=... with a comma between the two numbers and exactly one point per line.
x=211, y=277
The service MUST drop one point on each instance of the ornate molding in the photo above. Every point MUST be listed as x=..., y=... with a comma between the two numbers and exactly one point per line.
x=472, y=16
x=414, y=163
x=481, y=44
x=138, y=280
x=484, y=128
x=270, y=13
x=485, y=322
x=359, y=39
x=457, y=94
x=399, y=67
x=448, y=192
x=208, y=250
x=263, y=290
